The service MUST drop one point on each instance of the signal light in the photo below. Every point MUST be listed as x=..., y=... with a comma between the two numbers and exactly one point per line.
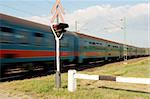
x=60, y=28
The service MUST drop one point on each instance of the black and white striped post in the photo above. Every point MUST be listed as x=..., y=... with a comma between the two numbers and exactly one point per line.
x=73, y=75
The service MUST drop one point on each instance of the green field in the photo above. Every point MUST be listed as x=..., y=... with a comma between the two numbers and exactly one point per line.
x=43, y=87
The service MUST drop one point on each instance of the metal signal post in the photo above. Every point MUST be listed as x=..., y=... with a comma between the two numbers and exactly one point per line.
x=58, y=73
x=58, y=30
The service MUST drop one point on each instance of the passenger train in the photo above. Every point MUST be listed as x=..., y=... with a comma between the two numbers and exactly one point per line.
x=26, y=44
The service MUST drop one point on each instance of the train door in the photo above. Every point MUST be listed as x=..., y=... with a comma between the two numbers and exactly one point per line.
x=76, y=49
x=107, y=51
x=67, y=47
x=121, y=51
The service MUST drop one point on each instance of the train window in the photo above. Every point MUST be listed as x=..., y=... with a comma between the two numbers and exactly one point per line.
x=6, y=29
x=115, y=46
x=6, y=35
x=93, y=43
x=22, y=37
x=38, y=35
x=90, y=42
x=38, y=38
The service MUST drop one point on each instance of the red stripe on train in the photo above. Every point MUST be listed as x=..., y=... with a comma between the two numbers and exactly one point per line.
x=31, y=53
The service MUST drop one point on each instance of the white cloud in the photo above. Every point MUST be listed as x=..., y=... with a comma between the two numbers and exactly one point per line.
x=104, y=21
x=40, y=19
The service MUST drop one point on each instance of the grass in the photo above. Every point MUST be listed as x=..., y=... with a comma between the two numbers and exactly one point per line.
x=43, y=87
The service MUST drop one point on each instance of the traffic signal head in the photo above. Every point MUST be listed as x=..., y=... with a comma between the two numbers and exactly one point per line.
x=60, y=28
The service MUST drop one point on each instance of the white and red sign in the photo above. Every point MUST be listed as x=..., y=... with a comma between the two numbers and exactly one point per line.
x=57, y=10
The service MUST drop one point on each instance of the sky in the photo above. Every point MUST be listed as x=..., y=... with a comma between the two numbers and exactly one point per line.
x=109, y=19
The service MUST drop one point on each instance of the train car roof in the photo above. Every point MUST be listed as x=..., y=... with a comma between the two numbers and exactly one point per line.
x=96, y=38
x=27, y=23
x=23, y=22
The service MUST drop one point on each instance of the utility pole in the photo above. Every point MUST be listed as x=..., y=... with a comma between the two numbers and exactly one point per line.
x=123, y=27
x=148, y=28
x=125, y=50
x=76, y=26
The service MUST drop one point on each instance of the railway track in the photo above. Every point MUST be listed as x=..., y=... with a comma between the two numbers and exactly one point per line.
x=25, y=74
x=18, y=74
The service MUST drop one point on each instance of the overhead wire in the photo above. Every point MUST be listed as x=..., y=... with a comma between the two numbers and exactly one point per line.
x=42, y=7
x=18, y=10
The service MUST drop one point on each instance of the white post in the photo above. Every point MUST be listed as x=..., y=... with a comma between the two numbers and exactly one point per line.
x=57, y=54
x=58, y=73
x=71, y=80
